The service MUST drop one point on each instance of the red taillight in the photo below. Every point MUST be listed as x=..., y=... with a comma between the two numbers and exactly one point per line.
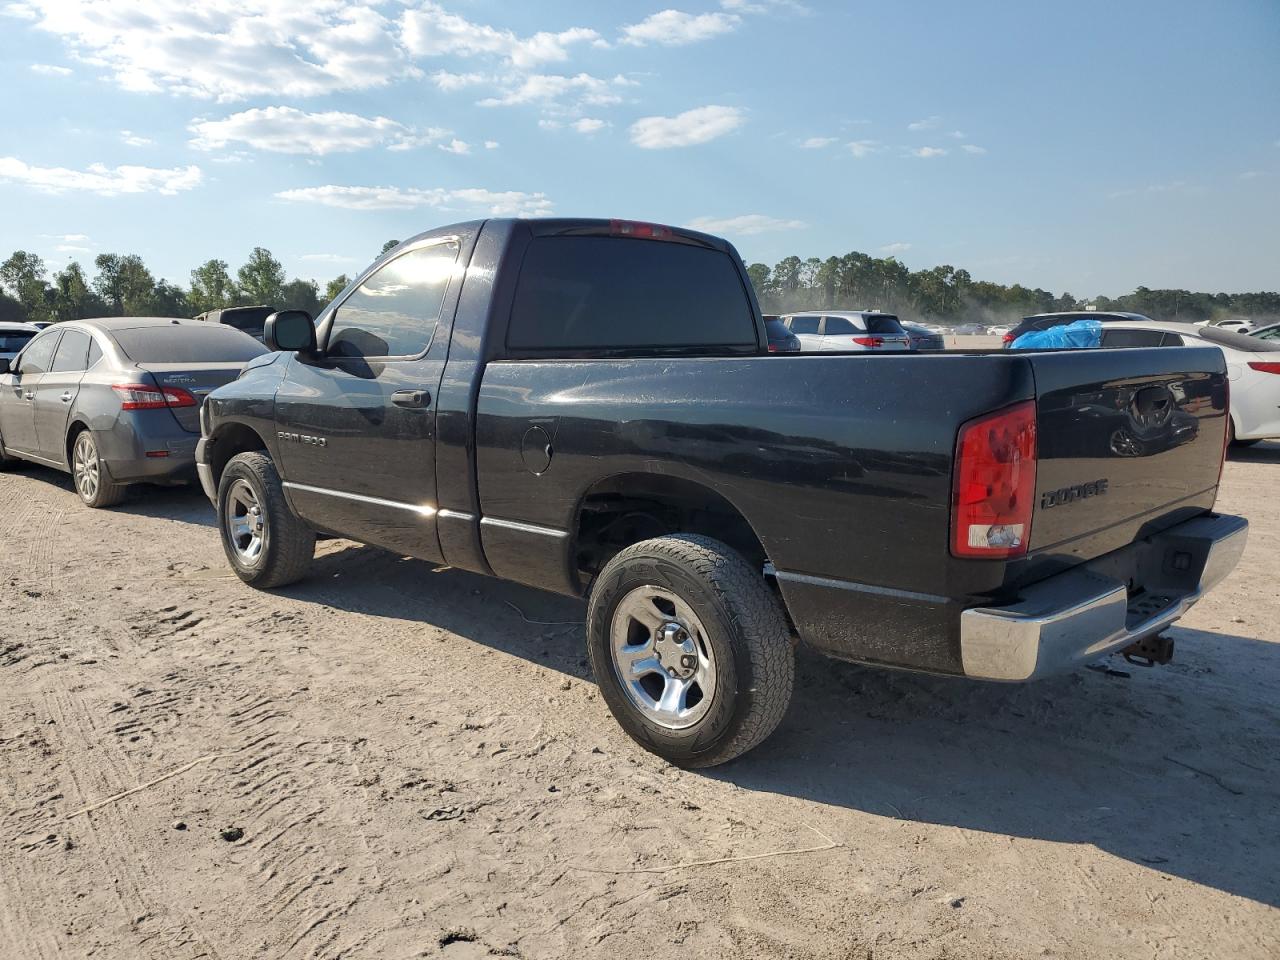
x=1265, y=367
x=139, y=396
x=995, y=484
x=1007, y=338
x=869, y=341
x=773, y=348
x=647, y=231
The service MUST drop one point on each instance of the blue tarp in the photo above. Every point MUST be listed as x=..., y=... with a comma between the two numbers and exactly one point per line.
x=1081, y=333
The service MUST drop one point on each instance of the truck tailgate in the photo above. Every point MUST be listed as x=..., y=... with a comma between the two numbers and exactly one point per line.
x=1135, y=449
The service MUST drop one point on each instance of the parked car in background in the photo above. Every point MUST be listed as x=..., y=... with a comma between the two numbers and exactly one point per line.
x=41, y=324
x=969, y=330
x=116, y=401
x=924, y=338
x=1270, y=332
x=13, y=337
x=1253, y=367
x=781, y=340
x=502, y=397
x=1235, y=325
x=1044, y=321
x=847, y=331
x=246, y=319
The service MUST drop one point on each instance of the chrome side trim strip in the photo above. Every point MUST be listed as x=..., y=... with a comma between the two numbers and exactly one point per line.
x=523, y=527
x=834, y=584
x=446, y=514
x=423, y=510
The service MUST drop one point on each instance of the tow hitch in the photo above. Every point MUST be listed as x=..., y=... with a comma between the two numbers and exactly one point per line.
x=1149, y=651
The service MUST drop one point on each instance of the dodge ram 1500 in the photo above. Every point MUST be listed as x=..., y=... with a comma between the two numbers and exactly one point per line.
x=590, y=407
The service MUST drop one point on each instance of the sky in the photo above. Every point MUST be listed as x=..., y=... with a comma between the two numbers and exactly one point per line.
x=1090, y=147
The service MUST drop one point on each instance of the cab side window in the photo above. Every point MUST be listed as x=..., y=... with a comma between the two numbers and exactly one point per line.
x=72, y=353
x=1132, y=338
x=393, y=313
x=35, y=359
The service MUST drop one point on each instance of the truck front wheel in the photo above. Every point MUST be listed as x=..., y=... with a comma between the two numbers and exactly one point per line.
x=690, y=649
x=266, y=544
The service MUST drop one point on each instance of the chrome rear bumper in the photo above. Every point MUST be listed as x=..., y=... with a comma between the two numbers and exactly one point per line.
x=1087, y=612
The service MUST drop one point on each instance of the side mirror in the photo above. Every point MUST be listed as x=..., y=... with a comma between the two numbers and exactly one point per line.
x=4, y=365
x=290, y=330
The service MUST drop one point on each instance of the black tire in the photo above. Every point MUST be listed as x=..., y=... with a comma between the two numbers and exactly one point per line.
x=7, y=462
x=95, y=487
x=286, y=546
x=745, y=632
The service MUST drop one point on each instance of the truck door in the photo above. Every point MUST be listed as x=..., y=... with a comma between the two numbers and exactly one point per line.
x=356, y=425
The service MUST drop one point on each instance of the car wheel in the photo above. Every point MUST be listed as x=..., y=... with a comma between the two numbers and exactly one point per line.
x=96, y=489
x=690, y=649
x=266, y=544
x=7, y=462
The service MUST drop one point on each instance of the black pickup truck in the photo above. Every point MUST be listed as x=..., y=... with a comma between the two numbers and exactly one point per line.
x=590, y=407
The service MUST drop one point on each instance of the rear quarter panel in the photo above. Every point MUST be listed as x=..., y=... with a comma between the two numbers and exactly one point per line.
x=841, y=464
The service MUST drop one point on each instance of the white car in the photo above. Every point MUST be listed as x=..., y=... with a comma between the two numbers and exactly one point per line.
x=14, y=336
x=1253, y=367
x=847, y=331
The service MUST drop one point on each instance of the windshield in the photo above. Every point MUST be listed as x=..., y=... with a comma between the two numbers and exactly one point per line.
x=187, y=344
x=11, y=341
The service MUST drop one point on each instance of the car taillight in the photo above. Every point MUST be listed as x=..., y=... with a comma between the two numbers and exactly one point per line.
x=139, y=396
x=995, y=484
x=869, y=341
x=773, y=348
x=1265, y=367
x=1007, y=338
x=647, y=231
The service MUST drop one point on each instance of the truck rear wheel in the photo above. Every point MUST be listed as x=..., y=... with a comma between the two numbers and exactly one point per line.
x=266, y=544
x=690, y=649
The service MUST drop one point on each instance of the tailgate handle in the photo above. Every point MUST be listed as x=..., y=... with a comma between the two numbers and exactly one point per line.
x=413, y=399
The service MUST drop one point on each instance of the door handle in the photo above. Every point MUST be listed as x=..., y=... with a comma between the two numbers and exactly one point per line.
x=413, y=399
x=66, y=397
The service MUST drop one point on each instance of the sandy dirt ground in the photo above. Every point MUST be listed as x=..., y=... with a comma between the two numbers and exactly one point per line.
x=391, y=760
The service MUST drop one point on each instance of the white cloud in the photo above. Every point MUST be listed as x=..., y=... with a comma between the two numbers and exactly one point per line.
x=497, y=204
x=460, y=147
x=817, y=143
x=765, y=6
x=290, y=130
x=546, y=89
x=588, y=125
x=928, y=153
x=746, y=225
x=491, y=144
x=928, y=123
x=431, y=31
x=100, y=179
x=449, y=82
x=700, y=125
x=67, y=237
x=973, y=148
x=898, y=246
x=864, y=148
x=134, y=140
x=49, y=70
x=674, y=28
x=230, y=49
x=1251, y=175
x=957, y=134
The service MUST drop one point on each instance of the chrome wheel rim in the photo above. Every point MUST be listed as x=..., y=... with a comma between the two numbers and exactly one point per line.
x=662, y=657
x=246, y=524
x=84, y=467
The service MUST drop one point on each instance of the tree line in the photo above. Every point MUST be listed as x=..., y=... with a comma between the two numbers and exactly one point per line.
x=947, y=295
x=123, y=286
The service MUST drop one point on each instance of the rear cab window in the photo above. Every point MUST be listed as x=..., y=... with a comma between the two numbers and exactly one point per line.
x=187, y=343
x=620, y=293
